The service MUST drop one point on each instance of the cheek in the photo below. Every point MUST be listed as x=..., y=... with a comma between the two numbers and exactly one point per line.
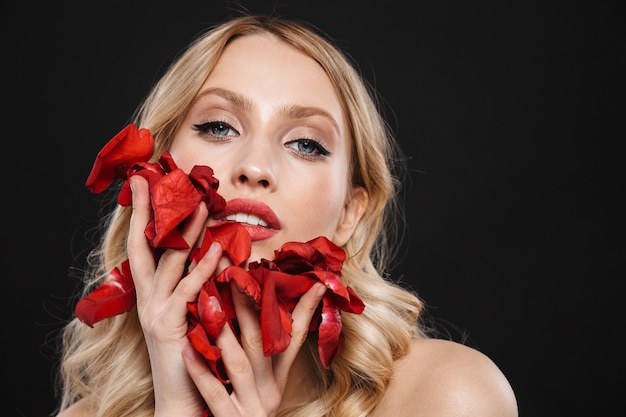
x=182, y=155
x=319, y=204
x=187, y=154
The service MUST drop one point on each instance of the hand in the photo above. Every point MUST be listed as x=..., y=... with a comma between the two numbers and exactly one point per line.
x=162, y=298
x=258, y=382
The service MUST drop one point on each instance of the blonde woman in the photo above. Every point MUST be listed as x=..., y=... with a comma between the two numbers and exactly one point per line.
x=294, y=136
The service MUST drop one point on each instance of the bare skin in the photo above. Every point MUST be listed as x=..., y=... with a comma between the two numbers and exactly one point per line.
x=443, y=378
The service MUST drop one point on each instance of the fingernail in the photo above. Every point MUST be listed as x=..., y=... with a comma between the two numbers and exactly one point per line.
x=190, y=352
x=321, y=290
x=215, y=304
x=214, y=248
x=131, y=182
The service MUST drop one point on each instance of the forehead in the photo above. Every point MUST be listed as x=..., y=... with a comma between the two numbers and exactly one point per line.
x=266, y=69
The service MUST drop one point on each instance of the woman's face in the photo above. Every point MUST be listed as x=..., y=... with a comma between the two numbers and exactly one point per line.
x=268, y=121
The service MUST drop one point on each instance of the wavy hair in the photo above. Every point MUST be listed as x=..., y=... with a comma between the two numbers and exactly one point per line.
x=109, y=364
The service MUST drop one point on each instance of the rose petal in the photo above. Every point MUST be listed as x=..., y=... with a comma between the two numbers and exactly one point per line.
x=275, y=321
x=130, y=145
x=317, y=254
x=173, y=199
x=202, y=177
x=234, y=238
x=330, y=339
x=213, y=354
x=244, y=281
x=198, y=338
x=152, y=172
x=114, y=296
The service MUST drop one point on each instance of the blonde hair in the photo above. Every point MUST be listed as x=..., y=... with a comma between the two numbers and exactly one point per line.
x=109, y=363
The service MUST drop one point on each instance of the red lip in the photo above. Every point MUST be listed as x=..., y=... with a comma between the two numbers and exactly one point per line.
x=257, y=208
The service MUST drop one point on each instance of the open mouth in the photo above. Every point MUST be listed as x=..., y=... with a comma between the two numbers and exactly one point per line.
x=246, y=219
x=257, y=217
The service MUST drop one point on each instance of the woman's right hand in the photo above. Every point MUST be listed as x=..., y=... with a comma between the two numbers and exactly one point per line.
x=162, y=298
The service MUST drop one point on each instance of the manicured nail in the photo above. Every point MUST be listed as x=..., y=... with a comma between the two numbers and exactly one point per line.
x=215, y=304
x=320, y=290
x=213, y=249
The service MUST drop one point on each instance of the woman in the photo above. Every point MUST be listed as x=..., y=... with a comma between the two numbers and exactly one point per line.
x=300, y=150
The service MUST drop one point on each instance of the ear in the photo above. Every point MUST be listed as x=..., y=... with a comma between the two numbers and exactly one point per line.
x=352, y=212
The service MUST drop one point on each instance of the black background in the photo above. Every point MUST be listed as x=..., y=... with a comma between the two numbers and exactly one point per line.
x=511, y=112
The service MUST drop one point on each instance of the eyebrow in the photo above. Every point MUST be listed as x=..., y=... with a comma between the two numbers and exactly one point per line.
x=292, y=111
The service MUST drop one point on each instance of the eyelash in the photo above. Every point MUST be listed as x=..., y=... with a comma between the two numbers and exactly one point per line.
x=209, y=128
x=318, y=152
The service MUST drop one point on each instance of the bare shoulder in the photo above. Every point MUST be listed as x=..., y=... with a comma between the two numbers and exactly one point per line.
x=78, y=409
x=443, y=378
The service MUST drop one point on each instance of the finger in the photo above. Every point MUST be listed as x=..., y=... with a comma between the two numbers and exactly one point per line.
x=250, y=328
x=171, y=266
x=211, y=389
x=250, y=354
x=301, y=319
x=139, y=250
x=237, y=357
x=189, y=287
x=247, y=392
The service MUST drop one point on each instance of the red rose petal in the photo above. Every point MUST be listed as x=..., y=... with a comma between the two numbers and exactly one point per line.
x=198, y=339
x=329, y=335
x=275, y=321
x=173, y=198
x=130, y=145
x=114, y=296
x=243, y=280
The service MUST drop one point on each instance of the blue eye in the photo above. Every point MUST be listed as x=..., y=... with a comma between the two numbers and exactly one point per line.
x=308, y=148
x=216, y=128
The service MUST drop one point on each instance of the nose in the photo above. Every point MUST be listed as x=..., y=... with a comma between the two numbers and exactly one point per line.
x=254, y=168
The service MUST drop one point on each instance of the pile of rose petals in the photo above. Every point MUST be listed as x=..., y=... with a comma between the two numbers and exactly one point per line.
x=273, y=286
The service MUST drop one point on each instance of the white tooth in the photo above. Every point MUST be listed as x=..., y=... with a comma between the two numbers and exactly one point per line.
x=246, y=218
x=255, y=220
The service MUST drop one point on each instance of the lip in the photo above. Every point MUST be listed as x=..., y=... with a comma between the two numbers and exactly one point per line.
x=257, y=208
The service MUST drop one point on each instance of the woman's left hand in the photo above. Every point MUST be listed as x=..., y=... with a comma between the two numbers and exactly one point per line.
x=258, y=382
